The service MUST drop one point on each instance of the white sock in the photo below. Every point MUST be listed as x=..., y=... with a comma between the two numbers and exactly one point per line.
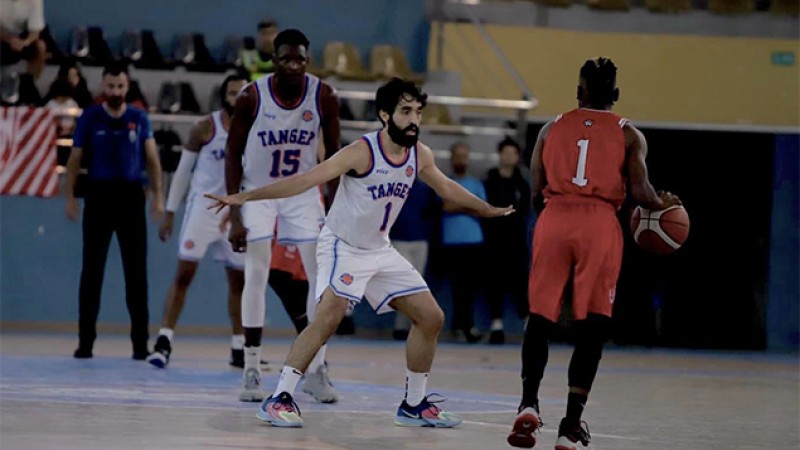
x=416, y=385
x=497, y=324
x=288, y=381
x=319, y=359
x=252, y=358
x=237, y=341
x=168, y=332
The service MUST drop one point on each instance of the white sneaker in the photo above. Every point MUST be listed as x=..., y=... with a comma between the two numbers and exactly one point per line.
x=318, y=385
x=252, y=386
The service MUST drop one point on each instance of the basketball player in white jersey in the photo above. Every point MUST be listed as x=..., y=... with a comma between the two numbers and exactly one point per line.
x=276, y=129
x=355, y=258
x=202, y=169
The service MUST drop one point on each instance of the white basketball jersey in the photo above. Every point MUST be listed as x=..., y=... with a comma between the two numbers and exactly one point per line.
x=365, y=207
x=208, y=174
x=282, y=141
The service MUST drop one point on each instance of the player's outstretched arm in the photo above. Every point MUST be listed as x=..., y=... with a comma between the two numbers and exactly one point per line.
x=449, y=190
x=353, y=157
x=641, y=190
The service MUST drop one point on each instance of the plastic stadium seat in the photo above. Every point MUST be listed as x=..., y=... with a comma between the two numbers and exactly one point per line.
x=188, y=99
x=169, y=98
x=183, y=51
x=99, y=53
x=731, y=6
x=341, y=59
x=54, y=52
x=388, y=61
x=436, y=114
x=79, y=43
x=131, y=45
x=152, y=58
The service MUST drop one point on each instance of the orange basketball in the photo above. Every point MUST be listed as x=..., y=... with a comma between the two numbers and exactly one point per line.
x=660, y=232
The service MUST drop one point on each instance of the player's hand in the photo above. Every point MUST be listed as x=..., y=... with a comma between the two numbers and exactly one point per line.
x=221, y=201
x=669, y=199
x=494, y=211
x=237, y=236
x=73, y=209
x=165, y=230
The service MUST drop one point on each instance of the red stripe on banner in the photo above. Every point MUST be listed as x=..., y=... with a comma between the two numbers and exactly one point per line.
x=23, y=161
x=35, y=161
x=46, y=166
x=17, y=152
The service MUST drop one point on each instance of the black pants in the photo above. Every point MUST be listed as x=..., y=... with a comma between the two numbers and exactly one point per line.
x=465, y=268
x=114, y=208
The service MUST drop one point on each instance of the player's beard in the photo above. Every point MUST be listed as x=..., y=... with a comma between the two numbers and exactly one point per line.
x=115, y=101
x=228, y=108
x=400, y=137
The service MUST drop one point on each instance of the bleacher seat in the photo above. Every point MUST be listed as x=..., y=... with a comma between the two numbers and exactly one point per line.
x=387, y=61
x=731, y=6
x=341, y=59
x=9, y=88
x=436, y=114
x=54, y=53
x=189, y=103
x=152, y=58
x=183, y=49
x=169, y=98
x=79, y=43
x=99, y=53
x=131, y=45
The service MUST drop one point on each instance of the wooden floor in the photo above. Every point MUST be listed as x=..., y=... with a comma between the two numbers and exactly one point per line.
x=643, y=399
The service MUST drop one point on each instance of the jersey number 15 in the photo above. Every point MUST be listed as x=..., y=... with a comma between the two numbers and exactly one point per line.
x=288, y=159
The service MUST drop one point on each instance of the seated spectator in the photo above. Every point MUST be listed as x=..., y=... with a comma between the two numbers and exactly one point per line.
x=79, y=91
x=258, y=61
x=62, y=102
x=21, y=22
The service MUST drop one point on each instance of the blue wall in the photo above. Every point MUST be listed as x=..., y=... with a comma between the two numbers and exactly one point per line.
x=783, y=283
x=40, y=257
x=363, y=23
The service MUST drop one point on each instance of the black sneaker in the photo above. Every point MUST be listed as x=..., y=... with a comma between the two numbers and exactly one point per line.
x=237, y=358
x=573, y=436
x=497, y=337
x=83, y=353
x=161, y=352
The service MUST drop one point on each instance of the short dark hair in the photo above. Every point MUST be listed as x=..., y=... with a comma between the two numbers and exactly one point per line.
x=223, y=89
x=388, y=96
x=115, y=68
x=508, y=142
x=267, y=23
x=290, y=37
x=601, y=80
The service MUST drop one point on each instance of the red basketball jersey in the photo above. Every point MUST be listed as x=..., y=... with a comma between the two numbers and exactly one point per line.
x=584, y=154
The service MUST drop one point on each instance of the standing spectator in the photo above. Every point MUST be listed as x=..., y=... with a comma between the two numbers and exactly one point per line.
x=462, y=239
x=258, y=61
x=21, y=23
x=118, y=143
x=506, y=240
x=79, y=91
x=410, y=236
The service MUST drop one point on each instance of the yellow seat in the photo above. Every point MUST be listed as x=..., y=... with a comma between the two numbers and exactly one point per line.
x=731, y=6
x=341, y=59
x=436, y=114
x=668, y=6
x=387, y=61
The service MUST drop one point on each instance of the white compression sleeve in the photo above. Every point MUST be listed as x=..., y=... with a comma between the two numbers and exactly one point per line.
x=256, y=275
x=181, y=179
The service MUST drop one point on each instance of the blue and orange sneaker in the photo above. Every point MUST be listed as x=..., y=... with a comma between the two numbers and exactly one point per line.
x=426, y=414
x=280, y=411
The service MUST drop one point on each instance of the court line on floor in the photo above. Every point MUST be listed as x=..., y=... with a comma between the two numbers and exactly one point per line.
x=551, y=431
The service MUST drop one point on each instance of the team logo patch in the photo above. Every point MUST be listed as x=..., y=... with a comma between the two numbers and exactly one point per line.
x=346, y=278
x=588, y=122
x=409, y=171
x=308, y=116
x=189, y=244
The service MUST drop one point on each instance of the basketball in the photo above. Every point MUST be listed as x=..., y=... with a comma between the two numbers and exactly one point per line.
x=661, y=232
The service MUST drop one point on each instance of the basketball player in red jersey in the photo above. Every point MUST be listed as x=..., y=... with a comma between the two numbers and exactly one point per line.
x=581, y=165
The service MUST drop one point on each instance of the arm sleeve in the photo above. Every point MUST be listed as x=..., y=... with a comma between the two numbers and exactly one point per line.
x=181, y=179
